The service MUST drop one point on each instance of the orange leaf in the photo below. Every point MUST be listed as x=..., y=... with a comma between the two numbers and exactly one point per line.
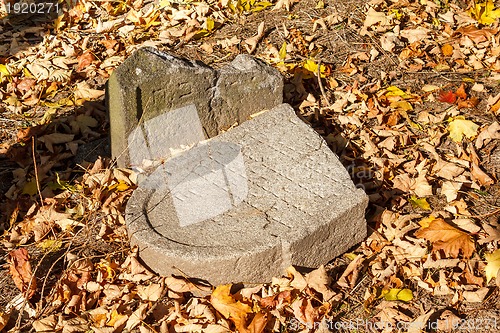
x=85, y=60
x=460, y=92
x=20, y=269
x=447, y=97
x=447, y=238
x=447, y=50
x=468, y=103
x=223, y=301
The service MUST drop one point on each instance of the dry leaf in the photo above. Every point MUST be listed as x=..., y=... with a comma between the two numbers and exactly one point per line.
x=447, y=238
x=20, y=270
x=492, y=132
x=253, y=41
x=493, y=265
x=222, y=300
x=459, y=127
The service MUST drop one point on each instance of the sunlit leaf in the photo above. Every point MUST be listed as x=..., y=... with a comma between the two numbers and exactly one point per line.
x=282, y=52
x=493, y=264
x=419, y=203
x=484, y=13
x=447, y=238
x=396, y=294
x=459, y=127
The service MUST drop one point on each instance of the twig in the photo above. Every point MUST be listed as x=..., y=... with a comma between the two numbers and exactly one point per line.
x=318, y=74
x=36, y=170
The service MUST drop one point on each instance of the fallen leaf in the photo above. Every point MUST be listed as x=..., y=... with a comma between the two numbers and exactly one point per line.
x=484, y=13
x=395, y=294
x=253, y=41
x=492, y=132
x=284, y=3
x=4, y=319
x=55, y=138
x=83, y=91
x=447, y=238
x=459, y=127
x=450, y=190
x=476, y=296
x=493, y=265
x=222, y=300
x=419, y=203
x=20, y=270
x=447, y=97
x=85, y=60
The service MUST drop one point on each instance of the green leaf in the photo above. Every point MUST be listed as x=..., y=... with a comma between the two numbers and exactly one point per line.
x=419, y=203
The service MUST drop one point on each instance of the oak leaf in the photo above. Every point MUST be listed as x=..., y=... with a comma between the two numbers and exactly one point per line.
x=447, y=238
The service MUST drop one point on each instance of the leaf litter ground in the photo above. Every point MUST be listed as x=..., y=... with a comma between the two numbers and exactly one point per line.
x=406, y=93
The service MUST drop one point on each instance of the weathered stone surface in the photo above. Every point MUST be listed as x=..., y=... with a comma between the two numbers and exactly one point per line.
x=194, y=101
x=247, y=204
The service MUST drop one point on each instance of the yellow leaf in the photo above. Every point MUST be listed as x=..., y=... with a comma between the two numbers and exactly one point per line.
x=424, y=223
x=485, y=13
x=402, y=105
x=395, y=91
x=447, y=238
x=164, y=4
x=420, y=203
x=120, y=186
x=50, y=245
x=210, y=24
x=320, y=5
x=312, y=67
x=115, y=317
x=396, y=294
x=261, y=5
x=493, y=260
x=223, y=302
x=459, y=127
x=4, y=71
x=282, y=53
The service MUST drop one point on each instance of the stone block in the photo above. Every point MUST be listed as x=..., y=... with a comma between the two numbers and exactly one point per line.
x=246, y=204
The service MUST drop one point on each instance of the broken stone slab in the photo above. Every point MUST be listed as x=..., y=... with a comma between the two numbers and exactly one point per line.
x=248, y=203
x=201, y=100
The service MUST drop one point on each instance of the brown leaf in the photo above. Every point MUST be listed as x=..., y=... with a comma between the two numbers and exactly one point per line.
x=20, y=269
x=447, y=238
x=480, y=175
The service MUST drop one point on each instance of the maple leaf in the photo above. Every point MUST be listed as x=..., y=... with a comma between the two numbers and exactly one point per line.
x=485, y=13
x=223, y=301
x=491, y=269
x=447, y=238
x=447, y=97
x=459, y=127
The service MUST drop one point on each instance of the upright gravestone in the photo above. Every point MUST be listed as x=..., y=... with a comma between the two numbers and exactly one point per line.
x=246, y=203
x=189, y=102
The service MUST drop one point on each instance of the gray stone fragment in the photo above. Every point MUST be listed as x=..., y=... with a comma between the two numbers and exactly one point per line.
x=188, y=101
x=283, y=198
